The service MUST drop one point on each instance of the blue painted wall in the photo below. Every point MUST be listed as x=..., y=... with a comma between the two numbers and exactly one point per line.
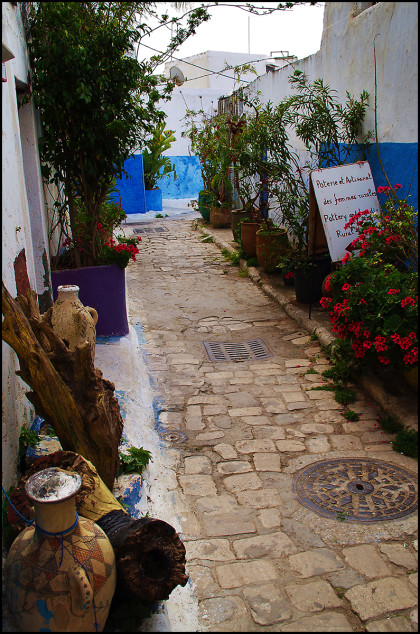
x=400, y=162
x=189, y=181
x=131, y=189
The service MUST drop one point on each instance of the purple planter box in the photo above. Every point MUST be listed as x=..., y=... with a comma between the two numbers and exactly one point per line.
x=153, y=199
x=102, y=288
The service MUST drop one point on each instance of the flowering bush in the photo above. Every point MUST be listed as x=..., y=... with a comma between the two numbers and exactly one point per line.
x=373, y=302
x=119, y=252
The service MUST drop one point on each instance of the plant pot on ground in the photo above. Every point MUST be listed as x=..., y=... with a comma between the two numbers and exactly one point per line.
x=220, y=216
x=271, y=244
x=204, y=204
x=157, y=166
x=308, y=278
x=249, y=238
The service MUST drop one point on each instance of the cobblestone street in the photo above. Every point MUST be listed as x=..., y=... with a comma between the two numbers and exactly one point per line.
x=237, y=434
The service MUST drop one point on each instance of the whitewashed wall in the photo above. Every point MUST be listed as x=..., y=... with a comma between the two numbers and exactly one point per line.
x=345, y=61
x=24, y=225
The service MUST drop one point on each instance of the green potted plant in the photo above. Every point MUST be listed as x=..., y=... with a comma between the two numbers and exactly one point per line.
x=204, y=135
x=156, y=166
x=96, y=111
x=330, y=133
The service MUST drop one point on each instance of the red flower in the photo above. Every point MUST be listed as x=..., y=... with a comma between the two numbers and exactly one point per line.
x=397, y=186
x=412, y=356
x=408, y=301
x=384, y=360
x=345, y=287
x=325, y=302
x=393, y=291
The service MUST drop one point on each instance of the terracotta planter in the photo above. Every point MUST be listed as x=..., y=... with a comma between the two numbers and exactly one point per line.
x=249, y=238
x=71, y=320
x=238, y=216
x=60, y=573
x=302, y=278
x=220, y=216
x=270, y=247
x=102, y=288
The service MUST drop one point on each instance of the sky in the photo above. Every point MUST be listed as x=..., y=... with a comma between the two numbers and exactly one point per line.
x=296, y=30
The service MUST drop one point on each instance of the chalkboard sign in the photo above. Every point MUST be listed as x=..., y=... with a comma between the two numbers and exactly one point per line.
x=341, y=192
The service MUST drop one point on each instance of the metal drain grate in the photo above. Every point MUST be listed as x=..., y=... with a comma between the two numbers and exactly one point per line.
x=150, y=230
x=226, y=352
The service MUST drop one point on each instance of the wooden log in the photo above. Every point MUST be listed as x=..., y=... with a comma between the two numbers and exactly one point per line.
x=66, y=389
x=149, y=553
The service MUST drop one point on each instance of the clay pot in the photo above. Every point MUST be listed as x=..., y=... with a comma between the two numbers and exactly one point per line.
x=270, y=247
x=220, y=216
x=72, y=321
x=249, y=238
x=60, y=573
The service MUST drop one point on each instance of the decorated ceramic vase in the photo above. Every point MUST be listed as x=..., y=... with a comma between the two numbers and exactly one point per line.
x=60, y=573
x=73, y=321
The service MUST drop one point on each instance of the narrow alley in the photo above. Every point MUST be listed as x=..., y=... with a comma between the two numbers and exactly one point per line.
x=239, y=431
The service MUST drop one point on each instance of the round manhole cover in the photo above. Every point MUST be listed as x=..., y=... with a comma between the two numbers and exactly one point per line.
x=357, y=490
x=173, y=436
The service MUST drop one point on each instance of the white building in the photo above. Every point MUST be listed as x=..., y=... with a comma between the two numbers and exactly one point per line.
x=206, y=78
x=345, y=62
x=25, y=255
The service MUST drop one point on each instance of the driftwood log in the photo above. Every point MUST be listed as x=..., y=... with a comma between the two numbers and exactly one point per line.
x=149, y=554
x=66, y=389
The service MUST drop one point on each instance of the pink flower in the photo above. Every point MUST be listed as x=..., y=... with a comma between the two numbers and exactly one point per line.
x=397, y=186
x=393, y=291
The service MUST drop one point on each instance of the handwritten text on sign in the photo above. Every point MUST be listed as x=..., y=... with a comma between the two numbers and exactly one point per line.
x=341, y=192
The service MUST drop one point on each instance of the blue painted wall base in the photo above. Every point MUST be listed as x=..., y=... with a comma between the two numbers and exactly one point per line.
x=153, y=199
x=131, y=188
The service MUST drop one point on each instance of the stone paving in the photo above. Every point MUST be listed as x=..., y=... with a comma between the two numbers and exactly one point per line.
x=257, y=558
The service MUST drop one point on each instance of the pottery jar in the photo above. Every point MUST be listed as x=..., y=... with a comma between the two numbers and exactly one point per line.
x=71, y=320
x=60, y=573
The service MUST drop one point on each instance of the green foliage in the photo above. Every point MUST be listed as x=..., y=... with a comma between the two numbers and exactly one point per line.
x=373, y=304
x=344, y=396
x=231, y=256
x=311, y=371
x=136, y=460
x=27, y=438
x=351, y=415
x=119, y=253
x=406, y=442
x=252, y=262
x=390, y=424
x=98, y=102
x=155, y=165
x=329, y=388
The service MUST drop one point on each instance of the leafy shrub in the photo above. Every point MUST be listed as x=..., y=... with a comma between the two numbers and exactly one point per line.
x=136, y=460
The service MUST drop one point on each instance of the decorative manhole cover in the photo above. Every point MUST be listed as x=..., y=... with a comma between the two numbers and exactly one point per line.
x=173, y=436
x=253, y=350
x=150, y=230
x=357, y=490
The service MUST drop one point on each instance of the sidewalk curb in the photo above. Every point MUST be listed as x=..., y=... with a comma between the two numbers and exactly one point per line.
x=370, y=384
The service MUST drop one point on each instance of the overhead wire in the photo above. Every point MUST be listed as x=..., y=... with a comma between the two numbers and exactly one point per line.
x=211, y=72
